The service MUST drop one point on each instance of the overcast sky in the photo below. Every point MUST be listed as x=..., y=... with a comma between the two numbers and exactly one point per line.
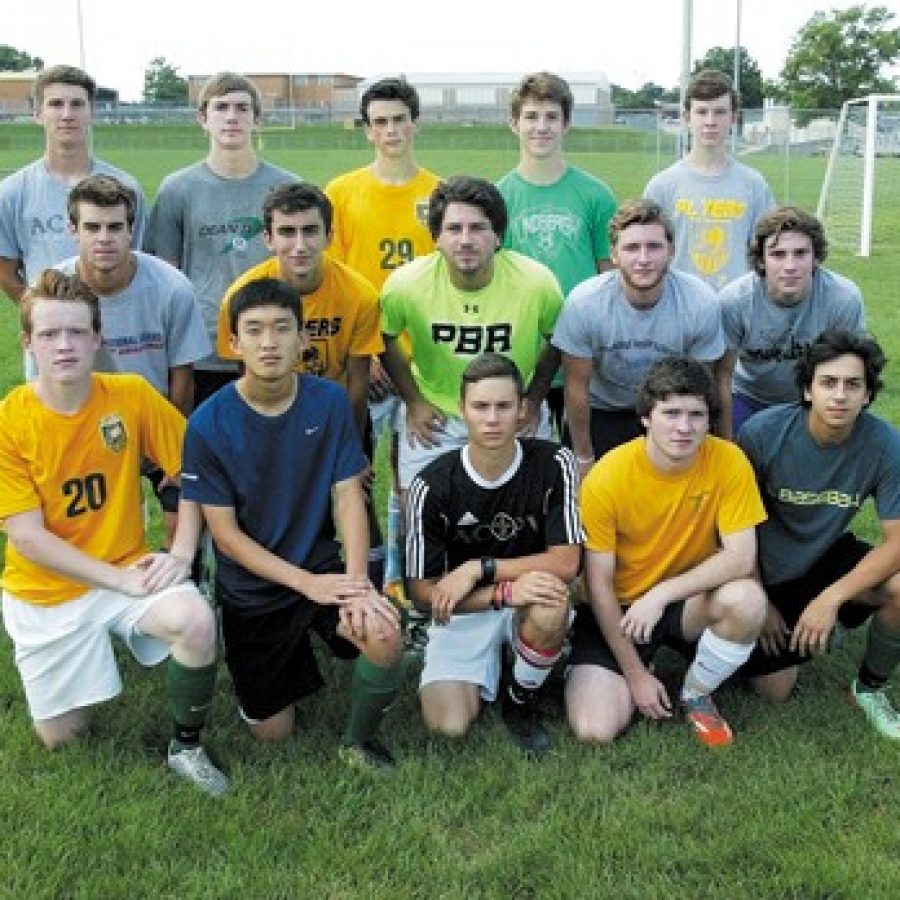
x=632, y=41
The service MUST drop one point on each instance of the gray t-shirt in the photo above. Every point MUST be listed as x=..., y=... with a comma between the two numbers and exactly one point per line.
x=768, y=337
x=151, y=326
x=34, y=219
x=713, y=217
x=599, y=323
x=812, y=492
x=211, y=228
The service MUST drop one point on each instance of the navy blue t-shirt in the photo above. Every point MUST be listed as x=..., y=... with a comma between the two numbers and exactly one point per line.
x=276, y=472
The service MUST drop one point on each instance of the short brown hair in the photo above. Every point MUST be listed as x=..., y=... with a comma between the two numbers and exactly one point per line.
x=677, y=376
x=707, y=84
x=102, y=190
x=777, y=221
x=638, y=212
x=226, y=83
x=542, y=86
x=62, y=75
x=54, y=285
x=491, y=365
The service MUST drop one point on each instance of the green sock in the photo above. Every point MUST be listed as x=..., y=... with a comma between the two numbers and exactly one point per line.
x=190, y=692
x=371, y=693
x=882, y=653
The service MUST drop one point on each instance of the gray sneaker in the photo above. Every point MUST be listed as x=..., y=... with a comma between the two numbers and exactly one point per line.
x=878, y=710
x=193, y=764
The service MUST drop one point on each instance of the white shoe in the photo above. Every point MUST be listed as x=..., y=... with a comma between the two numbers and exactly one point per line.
x=193, y=764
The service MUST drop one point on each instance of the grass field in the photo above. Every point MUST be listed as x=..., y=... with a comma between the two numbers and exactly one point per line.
x=804, y=804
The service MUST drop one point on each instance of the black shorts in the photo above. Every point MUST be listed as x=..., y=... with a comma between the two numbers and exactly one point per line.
x=270, y=656
x=609, y=429
x=589, y=647
x=790, y=598
x=169, y=494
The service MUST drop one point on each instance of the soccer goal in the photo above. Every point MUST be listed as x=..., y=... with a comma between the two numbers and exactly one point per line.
x=866, y=150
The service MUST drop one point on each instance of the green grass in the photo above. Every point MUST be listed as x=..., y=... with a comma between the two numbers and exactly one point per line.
x=804, y=805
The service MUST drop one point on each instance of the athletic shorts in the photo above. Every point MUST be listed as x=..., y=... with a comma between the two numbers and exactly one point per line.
x=64, y=653
x=383, y=415
x=453, y=435
x=790, y=598
x=589, y=647
x=742, y=408
x=609, y=429
x=468, y=648
x=270, y=656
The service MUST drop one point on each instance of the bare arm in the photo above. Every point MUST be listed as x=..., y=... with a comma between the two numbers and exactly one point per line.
x=181, y=389
x=10, y=280
x=358, y=390
x=723, y=369
x=578, y=371
x=352, y=523
x=547, y=364
x=422, y=419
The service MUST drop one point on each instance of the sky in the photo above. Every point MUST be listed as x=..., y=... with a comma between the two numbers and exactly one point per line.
x=631, y=41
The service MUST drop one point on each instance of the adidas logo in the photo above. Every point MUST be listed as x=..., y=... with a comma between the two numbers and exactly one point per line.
x=467, y=519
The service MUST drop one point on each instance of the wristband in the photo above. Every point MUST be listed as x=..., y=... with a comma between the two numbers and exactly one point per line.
x=488, y=571
x=501, y=596
x=585, y=460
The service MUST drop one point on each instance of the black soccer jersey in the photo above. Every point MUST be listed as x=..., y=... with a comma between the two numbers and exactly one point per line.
x=454, y=515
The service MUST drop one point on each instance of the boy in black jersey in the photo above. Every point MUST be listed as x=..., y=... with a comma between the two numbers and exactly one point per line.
x=494, y=539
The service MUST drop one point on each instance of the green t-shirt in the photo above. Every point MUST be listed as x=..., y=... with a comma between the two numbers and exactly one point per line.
x=447, y=328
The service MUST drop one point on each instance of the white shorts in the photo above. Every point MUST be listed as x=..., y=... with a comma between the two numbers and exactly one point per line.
x=453, y=435
x=468, y=648
x=64, y=653
x=383, y=414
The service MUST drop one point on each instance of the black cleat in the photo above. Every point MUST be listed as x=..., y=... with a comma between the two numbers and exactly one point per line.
x=524, y=725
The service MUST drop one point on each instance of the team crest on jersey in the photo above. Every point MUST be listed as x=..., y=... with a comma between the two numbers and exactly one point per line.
x=422, y=212
x=112, y=430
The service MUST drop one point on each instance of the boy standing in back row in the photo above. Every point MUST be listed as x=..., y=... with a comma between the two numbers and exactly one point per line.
x=713, y=200
x=558, y=214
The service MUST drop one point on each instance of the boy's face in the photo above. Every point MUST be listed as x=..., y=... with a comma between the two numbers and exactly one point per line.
x=467, y=239
x=65, y=112
x=391, y=129
x=493, y=412
x=540, y=128
x=837, y=395
x=642, y=253
x=676, y=428
x=62, y=341
x=789, y=263
x=229, y=119
x=269, y=342
x=299, y=241
x=710, y=121
x=103, y=236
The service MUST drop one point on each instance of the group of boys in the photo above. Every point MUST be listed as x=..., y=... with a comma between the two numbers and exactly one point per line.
x=449, y=296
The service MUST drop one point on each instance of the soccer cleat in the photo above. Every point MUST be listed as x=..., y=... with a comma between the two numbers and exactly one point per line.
x=193, y=764
x=368, y=756
x=878, y=710
x=709, y=726
x=524, y=725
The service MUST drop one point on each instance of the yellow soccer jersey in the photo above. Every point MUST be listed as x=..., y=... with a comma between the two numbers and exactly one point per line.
x=83, y=472
x=378, y=227
x=660, y=524
x=448, y=328
x=341, y=319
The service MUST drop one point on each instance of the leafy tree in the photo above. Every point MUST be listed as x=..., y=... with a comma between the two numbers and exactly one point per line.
x=12, y=60
x=752, y=86
x=839, y=55
x=643, y=98
x=163, y=84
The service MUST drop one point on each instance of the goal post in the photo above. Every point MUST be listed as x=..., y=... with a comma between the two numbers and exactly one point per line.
x=868, y=129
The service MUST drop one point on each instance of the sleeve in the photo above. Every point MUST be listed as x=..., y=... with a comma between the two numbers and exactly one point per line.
x=708, y=341
x=741, y=505
x=9, y=215
x=18, y=492
x=604, y=209
x=139, y=230
x=655, y=190
x=186, y=339
x=598, y=512
x=887, y=488
x=551, y=305
x=366, y=338
x=393, y=307
x=204, y=478
x=730, y=299
x=351, y=460
x=165, y=227
x=223, y=323
x=162, y=432
x=338, y=247
x=563, y=522
x=426, y=531
x=571, y=334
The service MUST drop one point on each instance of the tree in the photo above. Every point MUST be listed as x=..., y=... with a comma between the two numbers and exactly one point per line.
x=163, y=84
x=839, y=55
x=643, y=98
x=751, y=86
x=12, y=60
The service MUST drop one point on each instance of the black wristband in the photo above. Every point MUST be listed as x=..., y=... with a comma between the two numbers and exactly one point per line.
x=488, y=571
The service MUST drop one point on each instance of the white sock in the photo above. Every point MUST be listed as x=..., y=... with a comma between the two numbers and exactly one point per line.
x=715, y=660
x=532, y=666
